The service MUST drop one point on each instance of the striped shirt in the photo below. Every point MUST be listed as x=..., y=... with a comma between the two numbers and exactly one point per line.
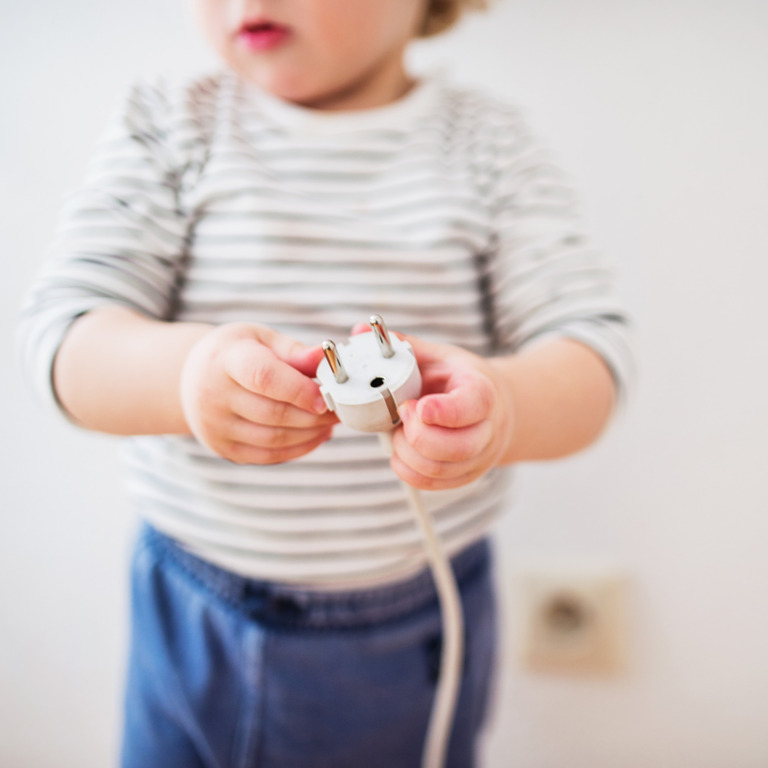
x=212, y=201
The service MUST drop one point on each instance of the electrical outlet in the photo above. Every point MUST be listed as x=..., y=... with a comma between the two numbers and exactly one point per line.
x=571, y=621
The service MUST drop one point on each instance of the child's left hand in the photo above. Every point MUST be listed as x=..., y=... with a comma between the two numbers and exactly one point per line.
x=462, y=425
x=546, y=402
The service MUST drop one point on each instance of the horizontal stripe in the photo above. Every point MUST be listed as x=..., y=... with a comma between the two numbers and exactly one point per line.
x=209, y=202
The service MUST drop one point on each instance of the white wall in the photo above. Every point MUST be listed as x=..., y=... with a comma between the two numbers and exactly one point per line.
x=660, y=111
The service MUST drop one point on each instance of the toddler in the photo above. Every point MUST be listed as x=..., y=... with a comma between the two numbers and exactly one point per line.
x=282, y=613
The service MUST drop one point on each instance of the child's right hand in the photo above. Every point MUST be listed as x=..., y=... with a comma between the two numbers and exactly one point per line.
x=248, y=393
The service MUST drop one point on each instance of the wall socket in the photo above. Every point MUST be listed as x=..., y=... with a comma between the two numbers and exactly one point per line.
x=570, y=620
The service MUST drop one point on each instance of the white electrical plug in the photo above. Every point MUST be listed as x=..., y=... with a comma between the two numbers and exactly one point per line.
x=365, y=380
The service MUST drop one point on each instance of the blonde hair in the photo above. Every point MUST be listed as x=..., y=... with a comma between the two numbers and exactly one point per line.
x=443, y=14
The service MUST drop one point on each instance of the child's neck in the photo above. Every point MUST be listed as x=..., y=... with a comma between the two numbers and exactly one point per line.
x=382, y=86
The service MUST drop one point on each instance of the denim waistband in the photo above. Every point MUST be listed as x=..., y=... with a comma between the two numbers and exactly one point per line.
x=281, y=605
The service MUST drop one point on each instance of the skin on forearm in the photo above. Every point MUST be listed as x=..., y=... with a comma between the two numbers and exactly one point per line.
x=118, y=371
x=563, y=395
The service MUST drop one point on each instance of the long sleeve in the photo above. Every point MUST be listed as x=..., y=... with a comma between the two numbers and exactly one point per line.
x=545, y=277
x=120, y=238
x=438, y=213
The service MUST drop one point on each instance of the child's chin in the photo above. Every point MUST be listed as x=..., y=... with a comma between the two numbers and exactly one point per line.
x=303, y=97
x=276, y=81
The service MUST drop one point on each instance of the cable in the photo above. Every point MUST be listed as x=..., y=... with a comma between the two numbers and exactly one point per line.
x=364, y=381
x=452, y=656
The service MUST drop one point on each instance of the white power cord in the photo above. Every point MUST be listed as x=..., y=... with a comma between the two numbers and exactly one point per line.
x=452, y=653
x=378, y=373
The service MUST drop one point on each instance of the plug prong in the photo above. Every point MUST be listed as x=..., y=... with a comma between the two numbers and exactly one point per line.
x=332, y=356
x=382, y=336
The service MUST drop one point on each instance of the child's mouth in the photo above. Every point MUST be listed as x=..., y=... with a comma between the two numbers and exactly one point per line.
x=262, y=35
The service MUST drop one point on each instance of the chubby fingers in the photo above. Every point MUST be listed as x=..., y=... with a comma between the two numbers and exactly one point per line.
x=428, y=474
x=442, y=443
x=431, y=457
x=447, y=438
x=302, y=358
x=259, y=409
x=468, y=400
x=251, y=444
x=258, y=369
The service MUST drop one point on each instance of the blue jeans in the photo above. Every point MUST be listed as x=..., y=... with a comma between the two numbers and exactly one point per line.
x=228, y=672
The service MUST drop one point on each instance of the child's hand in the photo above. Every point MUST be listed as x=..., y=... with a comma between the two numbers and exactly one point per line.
x=247, y=393
x=461, y=427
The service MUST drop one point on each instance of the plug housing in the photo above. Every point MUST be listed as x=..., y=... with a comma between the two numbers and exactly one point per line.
x=365, y=380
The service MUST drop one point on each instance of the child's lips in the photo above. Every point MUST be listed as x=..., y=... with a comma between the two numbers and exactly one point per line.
x=262, y=35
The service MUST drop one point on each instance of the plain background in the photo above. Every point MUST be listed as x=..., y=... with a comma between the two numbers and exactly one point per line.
x=659, y=110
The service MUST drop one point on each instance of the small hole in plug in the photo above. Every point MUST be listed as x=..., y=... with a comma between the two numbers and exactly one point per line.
x=377, y=382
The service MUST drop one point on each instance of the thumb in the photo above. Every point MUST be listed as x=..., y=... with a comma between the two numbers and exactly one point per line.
x=455, y=393
x=305, y=359
x=291, y=351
